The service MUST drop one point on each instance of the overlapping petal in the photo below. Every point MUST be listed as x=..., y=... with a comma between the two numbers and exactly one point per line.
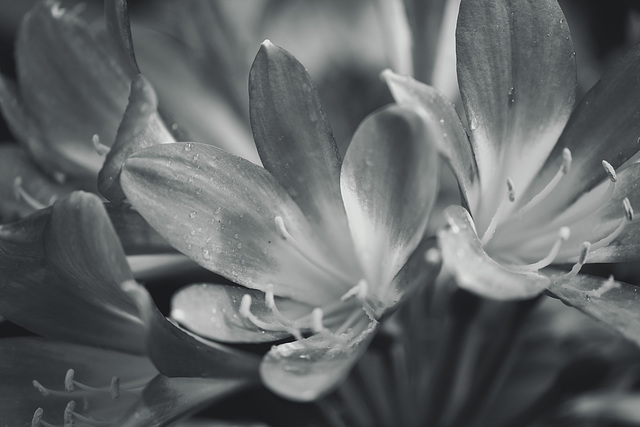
x=516, y=70
x=296, y=145
x=307, y=369
x=60, y=274
x=611, y=302
x=389, y=164
x=476, y=271
x=72, y=87
x=221, y=211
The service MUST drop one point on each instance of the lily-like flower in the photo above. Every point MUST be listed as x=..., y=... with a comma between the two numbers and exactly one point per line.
x=64, y=276
x=322, y=248
x=544, y=182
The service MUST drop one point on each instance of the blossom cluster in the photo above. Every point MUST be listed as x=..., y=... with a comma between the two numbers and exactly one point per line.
x=315, y=247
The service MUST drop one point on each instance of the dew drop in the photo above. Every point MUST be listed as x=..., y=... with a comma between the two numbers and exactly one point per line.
x=512, y=95
x=474, y=124
x=206, y=254
x=174, y=126
x=193, y=214
x=187, y=146
x=235, y=236
x=239, y=245
x=217, y=211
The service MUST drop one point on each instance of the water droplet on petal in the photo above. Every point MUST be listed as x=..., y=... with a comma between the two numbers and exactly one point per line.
x=193, y=214
x=187, y=146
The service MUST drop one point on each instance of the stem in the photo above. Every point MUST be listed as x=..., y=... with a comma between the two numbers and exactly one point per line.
x=463, y=307
x=493, y=363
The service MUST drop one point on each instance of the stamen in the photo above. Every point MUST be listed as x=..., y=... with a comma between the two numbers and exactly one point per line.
x=68, y=380
x=245, y=311
x=114, y=388
x=37, y=417
x=45, y=392
x=68, y=414
x=606, y=287
x=323, y=267
x=432, y=256
x=563, y=236
x=584, y=252
x=21, y=194
x=610, y=171
x=491, y=229
x=628, y=217
x=564, y=168
x=316, y=320
x=359, y=291
x=100, y=148
x=270, y=300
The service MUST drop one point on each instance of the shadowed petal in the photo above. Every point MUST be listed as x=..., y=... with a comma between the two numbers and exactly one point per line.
x=72, y=86
x=295, y=143
x=136, y=235
x=308, y=369
x=516, y=70
x=616, y=304
x=60, y=274
x=452, y=141
x=604, y=126
x=119, y=31
x=178, y=353
x=23, y=360
x=388, y=184
x=221, y=211
x=166, y=400
x=213, y=311
x=474, y=270
x=141, y=127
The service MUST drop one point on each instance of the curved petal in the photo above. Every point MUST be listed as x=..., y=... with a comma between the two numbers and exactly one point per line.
x=23, y=187
x=166, y=400
x=604, y=126
x=141, y=127
x=23, y=360
x=178, y=353
x=389, y=183
x=452, y=142
x=61, y=271
x=616, y=304
x=516, y=70
x=221, y=211
x=119, y=31
x=464, y=257
x=308, y=369
x=72, y=85
x=213, y=311
x=295, y=142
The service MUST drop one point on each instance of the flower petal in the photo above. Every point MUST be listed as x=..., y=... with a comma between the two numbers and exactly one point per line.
x=166, y=400
x=616, y=304
x=23, y=360
x=136, y=235
x=452, y=142
x=24, y=188
x=178, y=353
x=221, y=211
x=295, y=143
x=389, y=183
x=604, y=126
x=308, y=369
x=61, y=271
x=71, y=85
x=213, y=311
x=464, y=257
x=516, y=69
x=141, y=127
x=119, y=31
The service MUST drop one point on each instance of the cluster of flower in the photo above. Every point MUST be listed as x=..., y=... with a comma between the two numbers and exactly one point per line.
x=319, y=249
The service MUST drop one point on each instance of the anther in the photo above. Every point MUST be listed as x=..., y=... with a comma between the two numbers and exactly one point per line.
x=606, y=287
x=563, y=236
x=582, y=259
x=42, y=389
x=68, y=414
x=245, y=311
x=37, y=417
x=281, y=228
x=564, y=169
x=611, y=172
x=100, y=148
x=359, y=291
x=512, y=193
x=316, y=320
x=432, y=256
x=628, y=209
x=628, y=217
x=114, y=388
x=68, y=380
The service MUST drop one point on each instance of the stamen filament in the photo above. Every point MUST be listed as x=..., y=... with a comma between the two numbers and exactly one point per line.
x=298, y=247
x=359, y=291
x=493, y=225
x=245, y=311
x=21, y=194
x=270, y=300
x=628, y=217
x=563, y=236
x=584, y=252
x=564, y=168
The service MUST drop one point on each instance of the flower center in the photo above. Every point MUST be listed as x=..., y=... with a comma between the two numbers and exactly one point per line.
x=76, y=389
x=506, y=245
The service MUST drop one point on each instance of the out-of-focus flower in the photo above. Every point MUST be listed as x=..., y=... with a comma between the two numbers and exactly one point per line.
x=323, y=248
x=546, y=183
x=65, y=277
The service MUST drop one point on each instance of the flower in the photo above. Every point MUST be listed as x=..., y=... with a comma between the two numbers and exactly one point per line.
x=322, y=249
x=65, y=277
x=544, y=182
